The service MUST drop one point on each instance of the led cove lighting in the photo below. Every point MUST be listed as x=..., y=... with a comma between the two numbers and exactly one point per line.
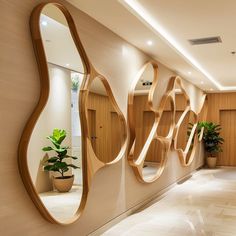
x=145, y=17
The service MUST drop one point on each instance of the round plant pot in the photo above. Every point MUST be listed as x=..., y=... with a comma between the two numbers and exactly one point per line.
x=63, y=184
x=211, y=162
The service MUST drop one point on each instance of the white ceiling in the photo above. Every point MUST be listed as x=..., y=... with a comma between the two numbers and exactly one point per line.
x=181, y=20
x=58, y=42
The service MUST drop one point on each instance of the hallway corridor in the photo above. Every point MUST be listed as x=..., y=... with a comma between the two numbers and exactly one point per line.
x=204, y=205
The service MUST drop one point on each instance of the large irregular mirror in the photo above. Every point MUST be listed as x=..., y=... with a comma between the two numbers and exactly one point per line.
x=106, y=124
x=76, y=127
x=151, y=130
x=50, y=153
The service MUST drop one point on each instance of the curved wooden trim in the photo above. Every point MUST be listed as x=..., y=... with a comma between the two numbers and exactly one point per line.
x=131, y=98
x=186, y=156
x=203, y=112
x=183, y=154
x=137, y=163
x=90, y=163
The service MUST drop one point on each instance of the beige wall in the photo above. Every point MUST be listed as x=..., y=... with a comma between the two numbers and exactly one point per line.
x=19, y=92
x=56, y=114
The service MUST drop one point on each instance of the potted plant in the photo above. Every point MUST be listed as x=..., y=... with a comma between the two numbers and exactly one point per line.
x=212, y=141
x=59, y=162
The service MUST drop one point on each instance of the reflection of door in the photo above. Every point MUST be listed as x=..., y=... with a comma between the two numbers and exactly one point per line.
x=228, y=132
x=116, y=135
x=92, y=127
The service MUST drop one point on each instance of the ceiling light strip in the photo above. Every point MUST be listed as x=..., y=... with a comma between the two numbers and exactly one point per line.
x=140, y=12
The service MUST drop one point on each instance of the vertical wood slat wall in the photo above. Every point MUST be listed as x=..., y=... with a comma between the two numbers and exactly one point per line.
x=222, y=110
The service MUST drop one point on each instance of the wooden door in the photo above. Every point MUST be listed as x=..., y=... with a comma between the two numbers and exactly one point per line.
x=92, y=127
x=228, y=124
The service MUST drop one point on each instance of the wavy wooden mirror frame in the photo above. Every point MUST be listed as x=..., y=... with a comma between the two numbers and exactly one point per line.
x=137, y=163
x=186, y=156
x=89, y=163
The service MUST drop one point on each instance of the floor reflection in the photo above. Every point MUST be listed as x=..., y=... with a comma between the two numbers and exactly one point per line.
x=204, y=205
x=62, y=206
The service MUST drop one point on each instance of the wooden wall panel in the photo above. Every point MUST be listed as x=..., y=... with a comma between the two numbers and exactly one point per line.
x=221, y=110
x=228, y=123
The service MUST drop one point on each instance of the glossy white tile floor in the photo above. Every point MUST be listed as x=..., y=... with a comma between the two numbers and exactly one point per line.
x=62, y=206
x=203, y=205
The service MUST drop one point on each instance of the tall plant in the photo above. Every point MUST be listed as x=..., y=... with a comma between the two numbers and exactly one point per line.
x=211, y=137
x=57, y=163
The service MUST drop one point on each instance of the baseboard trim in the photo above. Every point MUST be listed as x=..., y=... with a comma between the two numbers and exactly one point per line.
x=142, y=205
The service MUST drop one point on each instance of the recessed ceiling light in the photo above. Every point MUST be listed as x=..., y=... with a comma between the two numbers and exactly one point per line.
x=67, y=64
x=202, y=82
x=44, y=23
x=136, y=8
x=211, y=89
x=149, y=42
x=189, y=72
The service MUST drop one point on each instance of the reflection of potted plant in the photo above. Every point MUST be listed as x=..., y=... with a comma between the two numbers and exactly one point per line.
x=58, y=163
x=212, y=141
x=74, y=84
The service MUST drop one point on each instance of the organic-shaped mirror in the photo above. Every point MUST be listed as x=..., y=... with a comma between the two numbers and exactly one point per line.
x=151, y=129
x=186, y=135
x=186, y=125
x=71, y=152
x=105, y=124
x=53, y=168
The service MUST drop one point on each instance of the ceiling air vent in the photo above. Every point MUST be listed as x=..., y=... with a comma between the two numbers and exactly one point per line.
x=205, y=40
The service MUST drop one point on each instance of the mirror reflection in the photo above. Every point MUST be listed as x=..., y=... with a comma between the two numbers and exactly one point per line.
x=185, y=129
x=105, y=126
x=155, y=158
x=142, y=114
x=181, y=103
x=153, y=161
x=54, y=151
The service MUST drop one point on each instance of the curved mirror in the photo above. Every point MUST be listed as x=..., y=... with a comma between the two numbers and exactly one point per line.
x=105, y=125
x=143, y=116
x=54, y=153
x=181, y=103
x=185, y=129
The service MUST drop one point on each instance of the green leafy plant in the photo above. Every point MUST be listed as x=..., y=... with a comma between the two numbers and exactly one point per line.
x=57, y=163
x=211, y=137
x=74, y=83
